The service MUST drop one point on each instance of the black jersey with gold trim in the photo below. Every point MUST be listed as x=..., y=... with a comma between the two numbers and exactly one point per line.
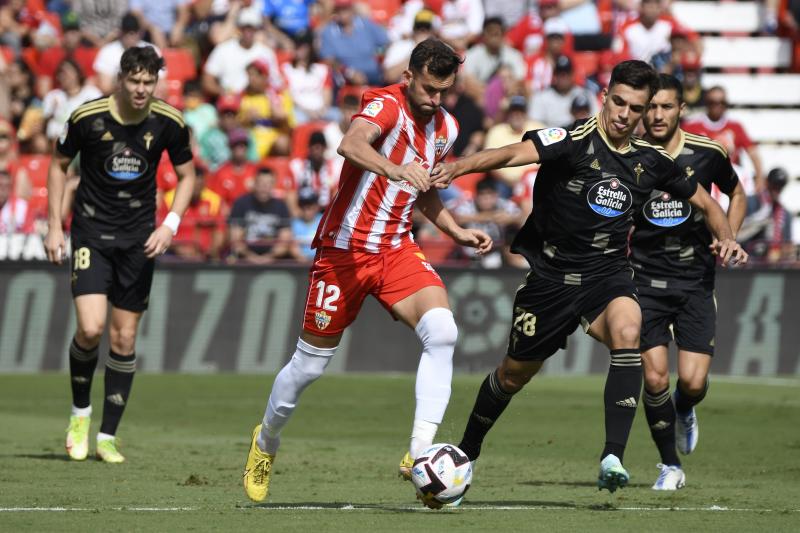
x=584, y=198
x=116, y=197
x=669, y=246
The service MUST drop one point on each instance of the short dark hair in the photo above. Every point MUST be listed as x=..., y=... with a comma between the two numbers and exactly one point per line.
x=493, y=21
x=265, y=170
x=141, y=58
x=442, y=61
x=668, y=82
x=74, y=64
x=636, y=74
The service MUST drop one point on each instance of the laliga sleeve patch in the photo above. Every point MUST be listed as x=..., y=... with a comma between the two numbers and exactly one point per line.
x=552, y=135
x=373, y=108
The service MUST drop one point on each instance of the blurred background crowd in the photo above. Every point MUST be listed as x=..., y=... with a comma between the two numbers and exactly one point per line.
x=268, y=88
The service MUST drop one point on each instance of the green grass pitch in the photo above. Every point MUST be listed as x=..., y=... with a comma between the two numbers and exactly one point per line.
x=186, y=441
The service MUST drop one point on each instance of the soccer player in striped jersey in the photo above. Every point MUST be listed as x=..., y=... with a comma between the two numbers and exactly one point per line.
x=120, y=139
x=365, y=247
x=591, y=182
x=674, y=267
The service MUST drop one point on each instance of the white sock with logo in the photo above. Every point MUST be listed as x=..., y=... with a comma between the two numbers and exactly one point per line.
x=306, y=366
x=438, y=332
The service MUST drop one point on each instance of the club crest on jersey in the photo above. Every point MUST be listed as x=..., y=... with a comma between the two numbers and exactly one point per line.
x=665, y=211
x=551, y=135
x=322, y=319
x=126, y=165
x=440, y=144
x=373, y=108
x=610, y=198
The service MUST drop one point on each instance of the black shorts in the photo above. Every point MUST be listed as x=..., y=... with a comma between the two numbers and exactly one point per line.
x=688, y=316
x=547, y=312
x=118, y=269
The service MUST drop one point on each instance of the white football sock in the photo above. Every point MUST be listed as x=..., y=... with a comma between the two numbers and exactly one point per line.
x=307, y=364
x=104, y=436
x=81, y=411
x=438, y=332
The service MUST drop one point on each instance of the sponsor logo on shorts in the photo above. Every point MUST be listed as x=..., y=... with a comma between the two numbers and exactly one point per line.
x=126, y=165
x=322, y=319
x=551, y=135
x=666, y=212
x=610, y=198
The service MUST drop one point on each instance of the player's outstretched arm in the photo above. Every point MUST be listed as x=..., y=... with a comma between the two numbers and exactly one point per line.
x=511, y=155
x=161, y=238
x=431, y=206
x=54, y=242
x=356, y=147
x=724, y=245
x=737, y=208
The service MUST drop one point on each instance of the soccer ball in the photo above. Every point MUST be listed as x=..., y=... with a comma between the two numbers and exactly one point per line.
x=442, y=472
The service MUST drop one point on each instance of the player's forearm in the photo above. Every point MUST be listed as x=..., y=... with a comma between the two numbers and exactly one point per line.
x=737, y=209
x=512, y=155
x=431, y=206
x=365, y=156
x=56, y=183
x=716, y=221
x=183, y=192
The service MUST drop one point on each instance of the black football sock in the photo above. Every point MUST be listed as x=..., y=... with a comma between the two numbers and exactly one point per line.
x=489, y=405
x=118, y=381
x=82, y=363
x=621, y=396
x=660, y=415
x=683, y=401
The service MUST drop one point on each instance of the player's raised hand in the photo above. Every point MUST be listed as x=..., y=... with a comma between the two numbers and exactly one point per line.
x=474, y=238
x=729, y=251
x=442, y=175
x=413, y=173
x=158, y=242
x=55, y=245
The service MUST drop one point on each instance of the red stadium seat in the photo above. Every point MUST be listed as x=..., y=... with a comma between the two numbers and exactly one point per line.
x=383, y=10
x=284, y=56
x=300, y=136
x=175, y=93
x=586, y=63
x=84, y=55
x=8, y=54
x=36, y=166
x=283, y=173
x=180, y=64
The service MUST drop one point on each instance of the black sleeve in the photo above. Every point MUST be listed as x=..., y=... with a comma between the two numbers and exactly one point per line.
x=286, y=217
x=70, y=141
x=179, y=148
x=675, y=181
x=551, y=143
x=236, y=218
x=724, y=175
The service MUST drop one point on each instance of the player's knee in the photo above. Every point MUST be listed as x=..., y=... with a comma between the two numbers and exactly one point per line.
x=437, y=328
x=89, y=333
x=627, y=334
x=122, y=339
x=308, y=362
x=656, y=380
x=512, y=381
x=694, y=385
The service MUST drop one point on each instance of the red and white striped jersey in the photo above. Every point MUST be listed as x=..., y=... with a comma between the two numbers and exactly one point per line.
x=369, y=212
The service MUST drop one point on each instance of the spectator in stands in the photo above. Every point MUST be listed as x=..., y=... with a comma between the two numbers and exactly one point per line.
x=539, y=71
x=100, y=19
x=198, y=114
x=485, y=59
x=581, y=107
x=304, y=224
x=260, y=224
x=690, y=72
x=647, y=36
x=769, y=221
x=51, y=58
x=728, y=132
x=291, y=18
x=465, y=14
x=13, y=30
x=14, y=215
x=552, y=106
x=201, y=234
x=316, y=173
x=350, y=44
x=395, y=62
x=514, y=13
x=235, y=177
x=310, y=83
x=226, y=68
x=471, y=120
x=463, y=17
x=498, y=217
x=267, y=111
x=334, y=131
x=164, y=20
x=214, y=144
x=581, y=16
x=73, y=91
x=26, y=108
x=106, y=64
x=528, y=34
x=508, y=132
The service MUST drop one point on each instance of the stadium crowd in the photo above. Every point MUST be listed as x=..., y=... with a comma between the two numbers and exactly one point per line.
x=268, y=88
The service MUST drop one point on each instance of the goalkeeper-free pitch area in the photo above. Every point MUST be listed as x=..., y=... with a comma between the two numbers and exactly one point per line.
x=186, y=438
